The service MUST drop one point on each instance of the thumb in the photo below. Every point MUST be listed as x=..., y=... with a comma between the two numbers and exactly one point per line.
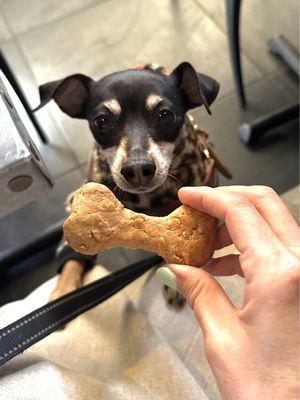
x=204, y=294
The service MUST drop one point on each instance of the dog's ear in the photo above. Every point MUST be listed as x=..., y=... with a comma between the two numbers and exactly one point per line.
x=198, y=89
x=70, y=93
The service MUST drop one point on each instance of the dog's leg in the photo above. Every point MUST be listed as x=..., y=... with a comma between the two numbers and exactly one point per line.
x=70, y=278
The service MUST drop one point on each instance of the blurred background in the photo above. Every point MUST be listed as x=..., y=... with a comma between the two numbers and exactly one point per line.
x=50, y=39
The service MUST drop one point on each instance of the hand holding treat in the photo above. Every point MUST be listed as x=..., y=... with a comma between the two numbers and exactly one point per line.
x=99, y=221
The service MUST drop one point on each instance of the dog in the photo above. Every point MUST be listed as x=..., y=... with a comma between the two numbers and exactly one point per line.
x=146, y=146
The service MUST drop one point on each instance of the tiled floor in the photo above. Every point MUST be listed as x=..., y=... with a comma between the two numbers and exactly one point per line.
x=260, y=20
x=47, y=40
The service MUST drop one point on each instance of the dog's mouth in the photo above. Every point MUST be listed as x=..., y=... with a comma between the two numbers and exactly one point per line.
x=125, y=186
x=142, y=174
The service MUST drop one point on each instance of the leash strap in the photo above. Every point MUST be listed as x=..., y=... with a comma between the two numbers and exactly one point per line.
x=23, y=333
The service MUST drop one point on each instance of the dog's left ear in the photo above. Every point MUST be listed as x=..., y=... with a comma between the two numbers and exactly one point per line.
x=70, y=94
x=198, y=89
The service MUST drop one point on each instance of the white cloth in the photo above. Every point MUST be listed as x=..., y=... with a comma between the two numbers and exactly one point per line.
x=129, y=347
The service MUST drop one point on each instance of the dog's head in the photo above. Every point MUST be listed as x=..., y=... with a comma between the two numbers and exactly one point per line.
x=135, y=116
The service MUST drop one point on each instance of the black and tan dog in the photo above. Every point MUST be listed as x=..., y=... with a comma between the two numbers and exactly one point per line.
x=146, y=147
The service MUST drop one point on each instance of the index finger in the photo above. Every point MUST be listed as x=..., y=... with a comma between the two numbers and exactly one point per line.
x=247, y=228
x=272, y=209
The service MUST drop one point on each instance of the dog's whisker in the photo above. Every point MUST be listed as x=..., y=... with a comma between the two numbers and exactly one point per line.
x=118, y=191
x=177, y=169
x=122, y=192
x=174, y=177
x=164, y=186
x=115, y=188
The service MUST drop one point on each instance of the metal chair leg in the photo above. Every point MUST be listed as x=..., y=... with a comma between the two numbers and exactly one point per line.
x=250, y=133
x=233, y=19
x=281, y=47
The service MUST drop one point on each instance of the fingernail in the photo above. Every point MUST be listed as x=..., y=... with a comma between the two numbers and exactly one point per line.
x=167, y=277
x=186, y=189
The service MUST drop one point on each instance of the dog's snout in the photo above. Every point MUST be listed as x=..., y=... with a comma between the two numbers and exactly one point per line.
x=139, y=172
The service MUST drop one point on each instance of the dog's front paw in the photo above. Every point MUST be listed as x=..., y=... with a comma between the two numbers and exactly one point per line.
x=175, y=301
x=61, y=290
x=71, y=278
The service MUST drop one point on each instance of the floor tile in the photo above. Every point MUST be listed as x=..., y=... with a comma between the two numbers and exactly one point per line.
x=181, y=29
x=135, y=255
x=5, y=33
x=58, y=154
x=20, y=226
x=27, y=15
x=79, y=137
x=112, y=259
x=14, y=287
x=182, y=32
x=119, y=257
x=287, y=81
x=260, y=20
x=275, y=163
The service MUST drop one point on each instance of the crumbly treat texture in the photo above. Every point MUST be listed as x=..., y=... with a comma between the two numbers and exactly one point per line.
x=99, y=221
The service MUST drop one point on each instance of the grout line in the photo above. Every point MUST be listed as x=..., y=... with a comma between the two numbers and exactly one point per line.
x=271, y=77
x=16, y=42
x=9, y=28
x=49, y=23
x=266, y=76
x=232, y=93
x=68, y=171
x=35, y=83
x=13, y=36
x=25, y=60
x=219, y=26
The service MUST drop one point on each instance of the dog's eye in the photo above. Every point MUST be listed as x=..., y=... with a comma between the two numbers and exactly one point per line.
x=165, y=117
x=104, y=123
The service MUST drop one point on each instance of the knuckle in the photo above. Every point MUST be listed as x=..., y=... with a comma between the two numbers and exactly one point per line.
x=205, y=202
x=264, y=192
x=237, y=203
x=278, y=282
x=240, y=202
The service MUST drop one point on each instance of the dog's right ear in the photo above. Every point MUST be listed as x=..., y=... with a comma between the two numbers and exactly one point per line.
x=70, y=93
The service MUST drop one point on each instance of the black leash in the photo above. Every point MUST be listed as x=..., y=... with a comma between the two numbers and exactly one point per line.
x=23, y=333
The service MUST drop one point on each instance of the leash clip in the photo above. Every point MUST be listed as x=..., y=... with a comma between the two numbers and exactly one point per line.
x=206, y=152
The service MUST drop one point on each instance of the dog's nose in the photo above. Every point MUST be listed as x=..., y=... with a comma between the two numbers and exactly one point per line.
x=139, y=172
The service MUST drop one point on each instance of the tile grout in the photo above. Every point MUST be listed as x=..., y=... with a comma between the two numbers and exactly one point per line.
x=15, y=39
x=69, y=171
x=49, y=23
x=219, y=26
x=267, y=76
x=8, y=27
x=271, y=77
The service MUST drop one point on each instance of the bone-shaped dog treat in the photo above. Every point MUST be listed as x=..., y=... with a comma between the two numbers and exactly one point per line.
x=99, y=221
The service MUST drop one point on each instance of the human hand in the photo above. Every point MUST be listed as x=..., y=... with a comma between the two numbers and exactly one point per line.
x=253, y=351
